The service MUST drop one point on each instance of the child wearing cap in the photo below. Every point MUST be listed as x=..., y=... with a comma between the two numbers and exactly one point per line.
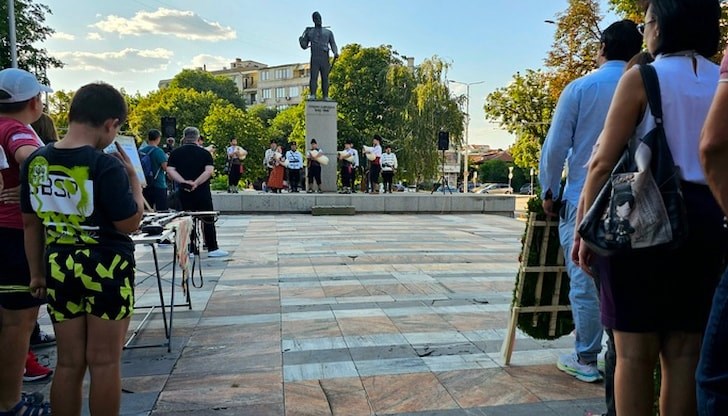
x=20, y=105
x=79, y=206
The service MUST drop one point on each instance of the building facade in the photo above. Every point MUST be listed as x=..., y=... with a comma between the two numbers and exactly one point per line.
x=278, y=87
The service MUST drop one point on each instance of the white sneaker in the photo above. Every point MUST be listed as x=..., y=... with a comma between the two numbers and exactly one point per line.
x=569, y=364
x=218, y=253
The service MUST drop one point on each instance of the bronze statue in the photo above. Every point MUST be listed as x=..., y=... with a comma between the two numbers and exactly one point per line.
x=320, y=40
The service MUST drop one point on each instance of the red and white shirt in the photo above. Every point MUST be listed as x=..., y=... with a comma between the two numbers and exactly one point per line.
x=13, y=136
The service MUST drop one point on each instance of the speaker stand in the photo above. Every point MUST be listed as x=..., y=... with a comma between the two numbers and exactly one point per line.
x=444, y=185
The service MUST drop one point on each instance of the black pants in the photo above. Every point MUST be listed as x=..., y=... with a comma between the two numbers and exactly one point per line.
x=201, y=201
x=347, y=174
x=314, y=174
x=294, y=179
x=610, y=365
x=156, y=197
x=374, y=177
x=234, y=174
x=319, y=65
x=387, y=176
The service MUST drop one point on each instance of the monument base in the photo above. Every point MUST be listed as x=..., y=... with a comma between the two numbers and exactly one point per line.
x=321, y=118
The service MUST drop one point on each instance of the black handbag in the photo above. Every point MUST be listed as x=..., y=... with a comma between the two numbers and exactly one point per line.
x=641, y=206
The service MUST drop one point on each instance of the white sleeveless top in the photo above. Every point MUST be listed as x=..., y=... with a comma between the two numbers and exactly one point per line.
x=686, y=98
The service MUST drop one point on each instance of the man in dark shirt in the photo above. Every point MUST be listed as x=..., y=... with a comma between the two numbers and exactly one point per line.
x=191, y=166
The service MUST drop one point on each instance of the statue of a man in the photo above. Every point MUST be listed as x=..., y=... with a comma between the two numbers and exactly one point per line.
x=320, y=40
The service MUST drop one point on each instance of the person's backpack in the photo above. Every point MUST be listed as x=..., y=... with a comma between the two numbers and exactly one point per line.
x=145, y=157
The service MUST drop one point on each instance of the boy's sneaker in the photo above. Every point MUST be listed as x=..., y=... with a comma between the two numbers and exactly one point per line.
x=43, y=339
x=569, y=364
x=35, y=371
x=218, y=253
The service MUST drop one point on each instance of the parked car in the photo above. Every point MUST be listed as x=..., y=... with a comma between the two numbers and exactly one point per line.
x=398, y=187
x=527, y=190
x=471, y=187
x=497, y=189
x=447, y=190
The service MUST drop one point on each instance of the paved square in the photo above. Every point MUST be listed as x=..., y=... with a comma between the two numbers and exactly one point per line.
x=361, y=315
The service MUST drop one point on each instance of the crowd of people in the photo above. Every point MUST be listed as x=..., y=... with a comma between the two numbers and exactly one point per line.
x=655, y=305
x=284, y=168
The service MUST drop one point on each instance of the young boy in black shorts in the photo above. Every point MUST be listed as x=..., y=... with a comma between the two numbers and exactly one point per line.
x=79, y=207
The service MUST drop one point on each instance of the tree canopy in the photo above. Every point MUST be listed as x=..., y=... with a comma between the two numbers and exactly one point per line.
x=203, y=81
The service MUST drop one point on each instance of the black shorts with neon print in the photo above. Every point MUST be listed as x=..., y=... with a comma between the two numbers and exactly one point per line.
x=89, y=281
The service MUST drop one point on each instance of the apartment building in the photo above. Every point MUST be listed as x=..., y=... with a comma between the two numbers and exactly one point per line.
x=278, y=86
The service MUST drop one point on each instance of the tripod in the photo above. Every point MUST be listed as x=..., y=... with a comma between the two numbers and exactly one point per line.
x=443, y=179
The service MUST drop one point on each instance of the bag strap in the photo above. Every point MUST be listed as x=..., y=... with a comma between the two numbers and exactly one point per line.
x=652, y=90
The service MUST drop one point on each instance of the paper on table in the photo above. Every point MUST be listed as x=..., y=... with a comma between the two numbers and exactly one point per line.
x=129, y=145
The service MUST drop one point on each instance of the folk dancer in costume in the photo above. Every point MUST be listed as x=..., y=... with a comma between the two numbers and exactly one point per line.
x=374, y=155
x=295, y=164
x=235, y=156
x=348, y=161
x=277, y=171
x=268, y=162
x=314, y=167
x=356, y=168
x=389, y=165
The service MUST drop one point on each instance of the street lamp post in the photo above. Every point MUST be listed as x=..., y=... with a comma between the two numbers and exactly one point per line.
x=466, y=172
x=11, y=34
x=510, y=175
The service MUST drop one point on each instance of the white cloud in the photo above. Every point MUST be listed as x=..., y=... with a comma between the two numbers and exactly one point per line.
x=63, y=36
x=126, y=60
x=178, y=23
x=94, y=36
x=209, y=61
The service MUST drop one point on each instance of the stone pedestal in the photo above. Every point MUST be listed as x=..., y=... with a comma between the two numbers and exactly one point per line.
x=321, y=125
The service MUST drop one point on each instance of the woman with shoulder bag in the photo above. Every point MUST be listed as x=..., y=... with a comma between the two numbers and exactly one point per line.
x=657, y=301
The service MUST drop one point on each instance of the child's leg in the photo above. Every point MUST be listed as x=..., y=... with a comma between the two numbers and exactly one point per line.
x=103, y=353
x=66, y=390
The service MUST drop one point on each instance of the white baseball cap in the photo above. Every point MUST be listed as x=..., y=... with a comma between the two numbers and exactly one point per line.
x=17, y=85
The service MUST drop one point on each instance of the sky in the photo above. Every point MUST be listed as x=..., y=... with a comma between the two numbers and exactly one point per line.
x=135, y=43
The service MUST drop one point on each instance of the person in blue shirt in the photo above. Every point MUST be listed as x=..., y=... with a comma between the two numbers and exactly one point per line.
x=156, y=192
x=576, y=125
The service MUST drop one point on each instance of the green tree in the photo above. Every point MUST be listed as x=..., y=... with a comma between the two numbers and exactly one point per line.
x=203, y=81
x=432, y=109
x=225, y=121
x=289, y=126
x=31, y=33
x=629, y=9
x=576, y=44
x=523, y=108
x=264, y=113
x=493, y=171
x=190, y=108
x=59, y=104
x=359, y=86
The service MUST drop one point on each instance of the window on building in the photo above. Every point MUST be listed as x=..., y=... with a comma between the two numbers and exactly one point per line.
x=264, y=75
x=283, y=73
x=266, y=93
x=294, y=91
x=281, y=107
x=280, y=92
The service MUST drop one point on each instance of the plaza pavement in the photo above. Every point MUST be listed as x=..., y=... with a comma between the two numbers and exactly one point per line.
x=361, y=315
